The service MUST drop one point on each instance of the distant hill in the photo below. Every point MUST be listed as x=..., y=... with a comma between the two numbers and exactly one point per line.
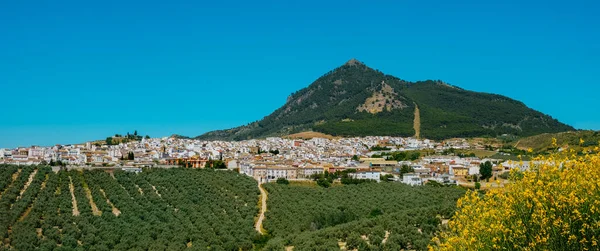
x=355, y=100
x=543, y=142
x=177, y=136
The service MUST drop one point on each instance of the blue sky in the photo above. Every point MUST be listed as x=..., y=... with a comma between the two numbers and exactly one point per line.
x=72, y=71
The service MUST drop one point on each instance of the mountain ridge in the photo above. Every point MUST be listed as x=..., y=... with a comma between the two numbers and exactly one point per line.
x=356, y=100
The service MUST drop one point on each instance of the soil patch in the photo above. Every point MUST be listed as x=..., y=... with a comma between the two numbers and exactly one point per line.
x=115, y=210
x=88, y=194
x=417, y=122
x=73, y=199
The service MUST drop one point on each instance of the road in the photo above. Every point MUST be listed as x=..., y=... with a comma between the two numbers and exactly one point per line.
x=263, y=209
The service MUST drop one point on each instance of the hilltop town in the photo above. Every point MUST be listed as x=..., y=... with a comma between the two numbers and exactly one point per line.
x=374, y=157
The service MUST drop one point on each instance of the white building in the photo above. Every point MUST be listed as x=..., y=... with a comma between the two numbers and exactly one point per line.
x=368, y=175
x=473, y=170
x=35, y=152
x=74, y=152
x=412, y=179
x=522, y=165
x=232, y=164
x=444, y=179
x=307, y=172
x=274, y=173
x=246, y=168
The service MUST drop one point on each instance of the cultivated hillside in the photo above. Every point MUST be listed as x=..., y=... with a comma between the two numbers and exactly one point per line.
x=389, y=215
x=158, y=209
x=355, y=100
x=571, y=139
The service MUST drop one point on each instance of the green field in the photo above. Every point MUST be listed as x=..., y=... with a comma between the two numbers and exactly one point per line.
x=315, y=218
x=479, y=153
x=158, y=209
x=177, y=209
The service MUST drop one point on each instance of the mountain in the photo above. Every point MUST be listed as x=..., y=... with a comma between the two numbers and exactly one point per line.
x=355, y=100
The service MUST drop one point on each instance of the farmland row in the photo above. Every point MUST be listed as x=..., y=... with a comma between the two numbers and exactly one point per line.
x=178, y=209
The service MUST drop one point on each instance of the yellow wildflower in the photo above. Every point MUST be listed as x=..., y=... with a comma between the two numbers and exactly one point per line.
x=557, y=198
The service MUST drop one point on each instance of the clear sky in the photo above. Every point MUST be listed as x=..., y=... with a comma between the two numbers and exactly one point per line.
x=73, y=71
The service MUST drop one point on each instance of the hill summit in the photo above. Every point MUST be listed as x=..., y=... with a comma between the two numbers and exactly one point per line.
x=355, y=100
x=353, y=62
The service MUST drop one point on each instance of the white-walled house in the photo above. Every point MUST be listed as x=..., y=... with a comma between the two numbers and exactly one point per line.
x=473, y=170
x=233, y=164
x=368, y=175
x=307, y=172
x=246, y=168
x=444, y=179
x=412, y=179
x=74, y=152
x=522, y=165
x=35, y=152
x=274, y=173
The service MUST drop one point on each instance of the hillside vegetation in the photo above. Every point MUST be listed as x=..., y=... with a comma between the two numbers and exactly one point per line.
x=543, y=142
x=158, y=209
x=315, y=218
x=309, y=135
x=355, y=100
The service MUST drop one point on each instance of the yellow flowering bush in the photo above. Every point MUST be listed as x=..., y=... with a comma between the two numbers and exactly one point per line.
x=553, y=206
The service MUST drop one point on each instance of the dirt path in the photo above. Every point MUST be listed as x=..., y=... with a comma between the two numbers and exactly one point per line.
x=27, y=184
x=156, y=191
x=73, y=199
x=115, y=210
x=16, y=175
x=387, y=235
x=24, y=215
x=140, y=189
x=516, y=144
x=263, y=208
x=28, y=210
x=88, y=194
x=13, y=178
x=417, y=122
x=44, y=183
